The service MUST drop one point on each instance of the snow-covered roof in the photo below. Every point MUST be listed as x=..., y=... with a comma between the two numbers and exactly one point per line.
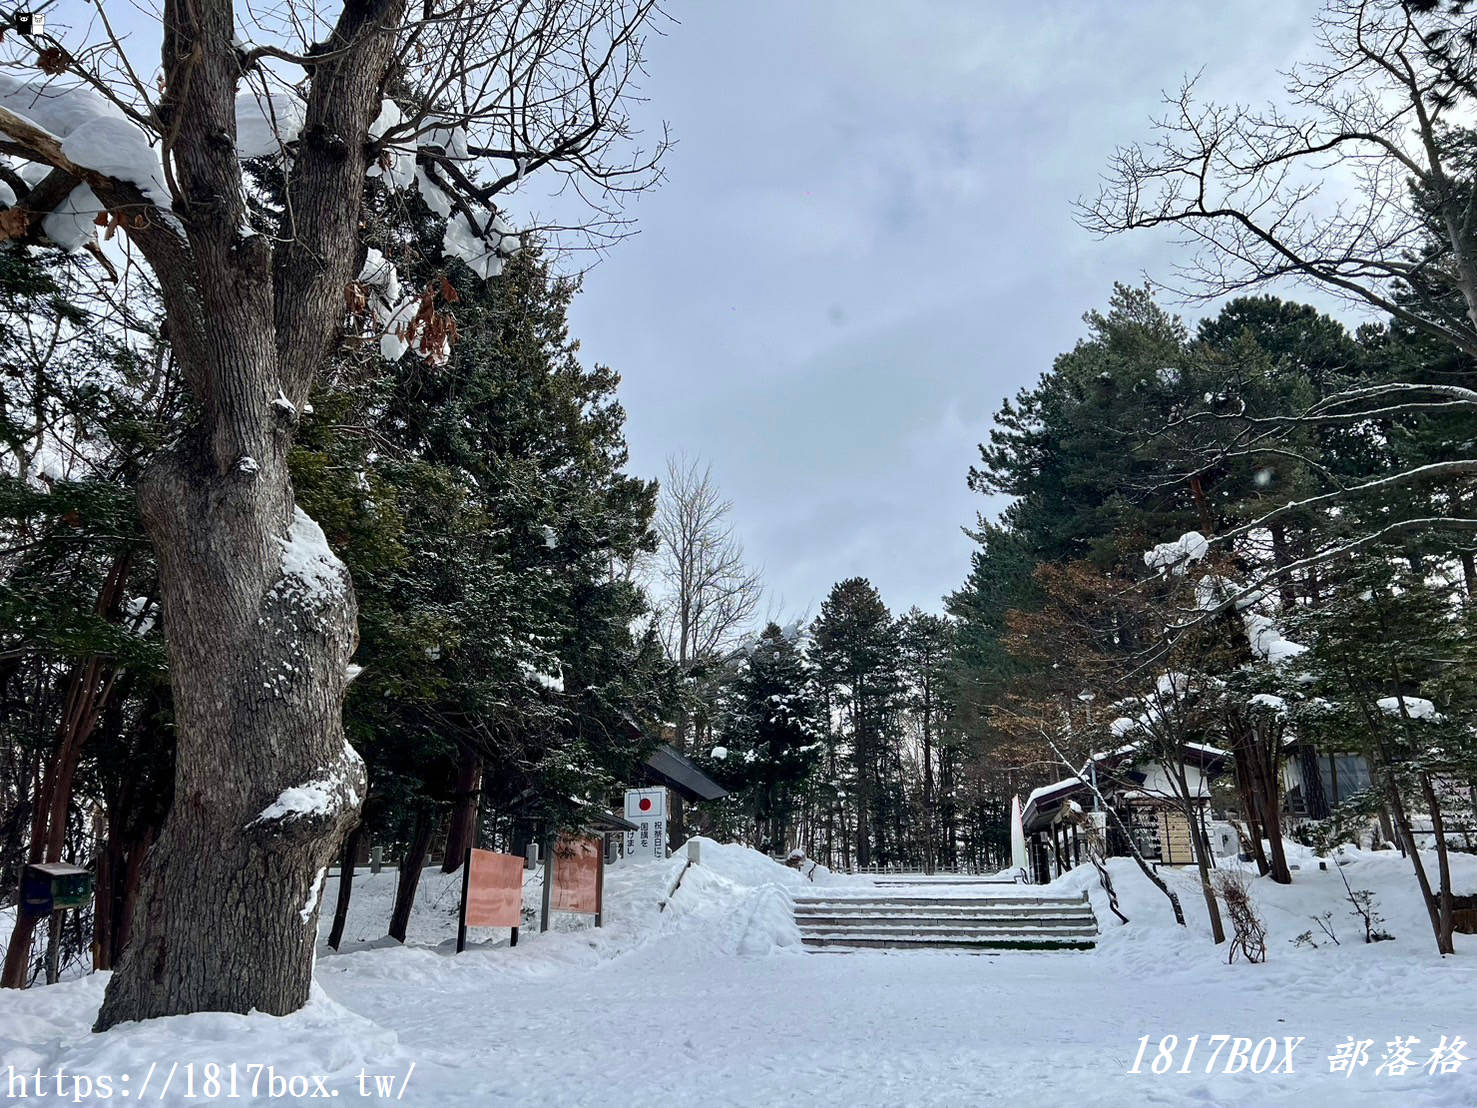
x=1417, y=707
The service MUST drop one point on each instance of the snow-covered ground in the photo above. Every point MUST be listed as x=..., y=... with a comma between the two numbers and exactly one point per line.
x=714, y=1002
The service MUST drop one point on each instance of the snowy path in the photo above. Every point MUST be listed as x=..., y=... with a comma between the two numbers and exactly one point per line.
x=861, y=1029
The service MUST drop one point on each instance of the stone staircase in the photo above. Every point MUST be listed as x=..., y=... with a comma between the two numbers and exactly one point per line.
x=918, y=917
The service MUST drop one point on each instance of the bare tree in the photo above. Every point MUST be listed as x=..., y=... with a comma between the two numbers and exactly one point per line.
x=1361, y=185
x=458, y=99
x=1337, y=188
x=708, y=593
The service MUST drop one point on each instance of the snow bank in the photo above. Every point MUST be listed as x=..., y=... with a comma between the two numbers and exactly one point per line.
x=1152, y=942
x=266, y=123
x=50, y=1027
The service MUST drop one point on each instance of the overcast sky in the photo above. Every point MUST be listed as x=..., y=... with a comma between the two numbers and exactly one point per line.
x=865, y=242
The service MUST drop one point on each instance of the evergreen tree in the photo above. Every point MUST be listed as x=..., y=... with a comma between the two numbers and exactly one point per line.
x=856, y=655
x=771, y=732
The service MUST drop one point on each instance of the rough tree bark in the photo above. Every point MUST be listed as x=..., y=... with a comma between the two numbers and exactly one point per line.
x=259, y=615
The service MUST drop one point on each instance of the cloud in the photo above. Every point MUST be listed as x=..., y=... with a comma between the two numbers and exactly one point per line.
x=866, y=242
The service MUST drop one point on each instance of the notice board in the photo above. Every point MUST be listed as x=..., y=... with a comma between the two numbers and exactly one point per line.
x=577, y=874
x=494, y=889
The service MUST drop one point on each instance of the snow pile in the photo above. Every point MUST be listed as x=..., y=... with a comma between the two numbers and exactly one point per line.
x=1152, y=942
x=94, y=134
x=551, y=681
x=1267, y=641
x=336, y=790
x=393, y=312
x=484, y=250
x=50, y=1027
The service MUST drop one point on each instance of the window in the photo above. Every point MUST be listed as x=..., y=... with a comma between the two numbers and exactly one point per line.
x=1343, y=775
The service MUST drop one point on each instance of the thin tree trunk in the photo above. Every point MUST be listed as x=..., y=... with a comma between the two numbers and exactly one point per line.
x=347, y=860
x=410, y=873
x=1197, y=845
x=1407, y=838
x=108, y=853
x=1444, y=922
x=88, y=689
x=1281, y=872
x=1247, y=792
x=1282, y=556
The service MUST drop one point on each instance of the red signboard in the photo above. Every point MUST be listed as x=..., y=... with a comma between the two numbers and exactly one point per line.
x=494, y=890
x=577, y=875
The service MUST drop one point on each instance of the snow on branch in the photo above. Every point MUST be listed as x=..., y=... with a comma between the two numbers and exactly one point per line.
x=1319, y=187
x=483, y=94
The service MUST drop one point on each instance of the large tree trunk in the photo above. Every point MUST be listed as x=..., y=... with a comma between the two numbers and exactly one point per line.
x=258, y=613
x=260, y=627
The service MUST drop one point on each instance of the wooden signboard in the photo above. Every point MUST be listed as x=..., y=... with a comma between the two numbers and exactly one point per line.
x=492, y=893
x=577, y=866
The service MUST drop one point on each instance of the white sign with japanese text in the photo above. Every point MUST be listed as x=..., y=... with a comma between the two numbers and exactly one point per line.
x=647, y=808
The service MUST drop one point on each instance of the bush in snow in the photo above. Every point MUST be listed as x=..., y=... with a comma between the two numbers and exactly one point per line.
x=1248, y=932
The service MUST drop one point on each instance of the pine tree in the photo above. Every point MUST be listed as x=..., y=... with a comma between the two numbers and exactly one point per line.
x=856, y=655
x=771, y=735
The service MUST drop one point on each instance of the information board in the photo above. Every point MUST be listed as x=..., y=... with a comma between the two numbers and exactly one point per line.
x=494, y=890
x=577, y=875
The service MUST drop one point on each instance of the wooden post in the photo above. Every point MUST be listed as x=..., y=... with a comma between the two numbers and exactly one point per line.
x=461, y=923
x=600, y=884
x=548, y=852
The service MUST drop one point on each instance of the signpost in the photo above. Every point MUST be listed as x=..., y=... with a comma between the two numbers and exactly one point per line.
x=492, y=893
x=647, y=808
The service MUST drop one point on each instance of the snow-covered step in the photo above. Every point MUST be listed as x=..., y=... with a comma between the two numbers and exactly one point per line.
x=911, y=919
x=944, y=923
x=948, y=918
x=838, y=944
x=944, y=907
x=911, y=927
x=956, y=882
x=975, y=902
